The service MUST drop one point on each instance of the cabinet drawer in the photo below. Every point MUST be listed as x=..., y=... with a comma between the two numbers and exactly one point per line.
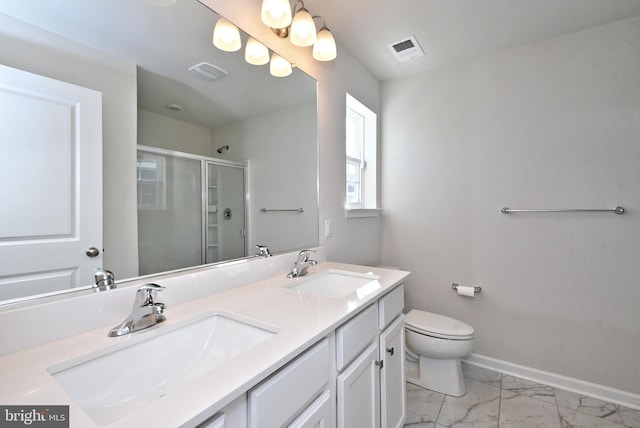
x=280, y=398
x=356, y=335
x=318, y=414
x=390, y=306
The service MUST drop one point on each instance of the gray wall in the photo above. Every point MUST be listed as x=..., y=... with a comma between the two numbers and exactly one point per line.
x=281, y=149
x=546, y=125
x=353, y=240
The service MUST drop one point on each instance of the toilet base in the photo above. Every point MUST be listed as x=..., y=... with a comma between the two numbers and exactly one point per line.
x=443, y=376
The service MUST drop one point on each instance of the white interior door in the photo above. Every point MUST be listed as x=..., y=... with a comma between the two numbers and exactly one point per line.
x=50, y=184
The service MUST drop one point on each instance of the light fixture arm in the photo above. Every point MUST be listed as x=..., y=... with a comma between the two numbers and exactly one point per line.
x=293, y=9
x=324, y=23
x=299, y=27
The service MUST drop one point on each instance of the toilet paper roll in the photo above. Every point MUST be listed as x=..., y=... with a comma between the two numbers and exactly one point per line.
x=465, y=291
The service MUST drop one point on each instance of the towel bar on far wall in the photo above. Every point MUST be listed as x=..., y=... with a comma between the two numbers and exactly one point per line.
x=296, y=210
x=616, y=210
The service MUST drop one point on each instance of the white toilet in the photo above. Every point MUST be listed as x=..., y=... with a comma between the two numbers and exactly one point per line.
x=439, y=343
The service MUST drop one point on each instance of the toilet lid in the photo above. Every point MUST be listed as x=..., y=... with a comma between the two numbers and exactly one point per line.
x=438, y=325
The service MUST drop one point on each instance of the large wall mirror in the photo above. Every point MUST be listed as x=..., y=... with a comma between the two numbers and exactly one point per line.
x=158, y=119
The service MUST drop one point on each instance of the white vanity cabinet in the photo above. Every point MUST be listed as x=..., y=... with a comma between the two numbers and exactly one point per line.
x=352, y=378
x=293, y=391
x=370, y=362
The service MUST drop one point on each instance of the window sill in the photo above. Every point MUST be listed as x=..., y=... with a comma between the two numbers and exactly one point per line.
x=362, y=212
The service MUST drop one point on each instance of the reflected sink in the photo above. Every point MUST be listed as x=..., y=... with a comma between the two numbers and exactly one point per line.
x=336, y=284
x=110, y=384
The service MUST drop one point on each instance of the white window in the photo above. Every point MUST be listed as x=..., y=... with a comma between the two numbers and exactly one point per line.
x=151, y=179
x=361, y=150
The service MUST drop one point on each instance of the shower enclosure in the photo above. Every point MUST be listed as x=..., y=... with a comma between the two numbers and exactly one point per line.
x=191, y=210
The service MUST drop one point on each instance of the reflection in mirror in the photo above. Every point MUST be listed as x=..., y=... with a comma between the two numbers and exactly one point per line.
x=153, y=111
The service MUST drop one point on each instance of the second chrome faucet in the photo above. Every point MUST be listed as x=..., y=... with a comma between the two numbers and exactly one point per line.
x=302, y=264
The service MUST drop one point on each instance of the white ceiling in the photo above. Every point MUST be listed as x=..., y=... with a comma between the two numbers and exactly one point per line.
x=451, y=31
x=165, y=41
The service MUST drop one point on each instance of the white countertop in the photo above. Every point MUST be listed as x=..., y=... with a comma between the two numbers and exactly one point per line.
x=302, y=319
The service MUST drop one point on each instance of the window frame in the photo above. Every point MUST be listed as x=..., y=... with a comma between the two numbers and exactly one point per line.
x=366, y=160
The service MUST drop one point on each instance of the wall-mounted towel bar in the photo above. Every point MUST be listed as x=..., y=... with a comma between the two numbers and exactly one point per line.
x=616, y=210
x=297, y=210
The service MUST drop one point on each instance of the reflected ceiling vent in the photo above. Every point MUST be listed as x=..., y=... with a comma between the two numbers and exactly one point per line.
x=206, y=71
x=406, y=49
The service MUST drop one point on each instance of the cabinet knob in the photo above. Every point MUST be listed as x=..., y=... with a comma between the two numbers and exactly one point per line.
x=380, y=364
x=390, y=351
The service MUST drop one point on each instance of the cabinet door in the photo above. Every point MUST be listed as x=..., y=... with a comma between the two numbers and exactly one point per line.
x=392, y=383
x=359, y=392
x=317, y=415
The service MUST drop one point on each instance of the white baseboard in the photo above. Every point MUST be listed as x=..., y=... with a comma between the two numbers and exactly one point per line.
x=578, y=386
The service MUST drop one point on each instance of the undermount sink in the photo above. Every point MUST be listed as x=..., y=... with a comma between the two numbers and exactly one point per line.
x=116, y=381
x=336, y=284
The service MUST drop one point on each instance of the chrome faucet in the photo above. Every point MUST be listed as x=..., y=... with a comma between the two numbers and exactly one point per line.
x=105, y=280
x=302, y=264
x=146, y=311
x=263, y=251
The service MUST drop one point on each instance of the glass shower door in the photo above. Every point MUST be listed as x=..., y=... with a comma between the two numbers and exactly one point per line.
x=169, y=212
x=225, y=214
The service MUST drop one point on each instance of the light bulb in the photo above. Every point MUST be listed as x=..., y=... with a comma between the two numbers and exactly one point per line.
x=226, y=36
x=279, y=66
x=276, y=13
x=255, y=52
x=303, y=29
x=325, y=47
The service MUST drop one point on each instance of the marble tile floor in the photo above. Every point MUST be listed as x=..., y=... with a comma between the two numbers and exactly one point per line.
x=496, y=400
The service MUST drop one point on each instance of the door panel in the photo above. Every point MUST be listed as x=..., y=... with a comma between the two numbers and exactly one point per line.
x=359, y=392
x=231, y=211
x=392, y=384
x=50, y=184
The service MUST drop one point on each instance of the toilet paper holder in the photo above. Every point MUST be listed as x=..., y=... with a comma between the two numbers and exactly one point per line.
x=476, y=288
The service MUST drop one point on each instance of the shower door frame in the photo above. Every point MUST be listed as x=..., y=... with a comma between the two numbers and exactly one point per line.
x=203, y=191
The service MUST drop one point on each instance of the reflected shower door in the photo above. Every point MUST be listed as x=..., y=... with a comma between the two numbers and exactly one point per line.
x=226, y=233
x=169, y=212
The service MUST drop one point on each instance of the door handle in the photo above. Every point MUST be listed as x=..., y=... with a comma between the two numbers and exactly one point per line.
x=390, y=351
x=92, y=252
x=380, y=364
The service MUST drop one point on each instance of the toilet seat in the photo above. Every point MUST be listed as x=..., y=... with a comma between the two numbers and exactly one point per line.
x=439, y=326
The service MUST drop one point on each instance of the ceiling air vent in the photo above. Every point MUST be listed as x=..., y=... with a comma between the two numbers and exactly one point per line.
x=206, y=71
x=406, y=49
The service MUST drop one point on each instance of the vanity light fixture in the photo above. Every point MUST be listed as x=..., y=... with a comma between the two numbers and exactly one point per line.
x=324, y=48
x=303, y=29
x=299, y=26
x=226, y=36
x=255, y=52
x=279, y=66
x=276, y=13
